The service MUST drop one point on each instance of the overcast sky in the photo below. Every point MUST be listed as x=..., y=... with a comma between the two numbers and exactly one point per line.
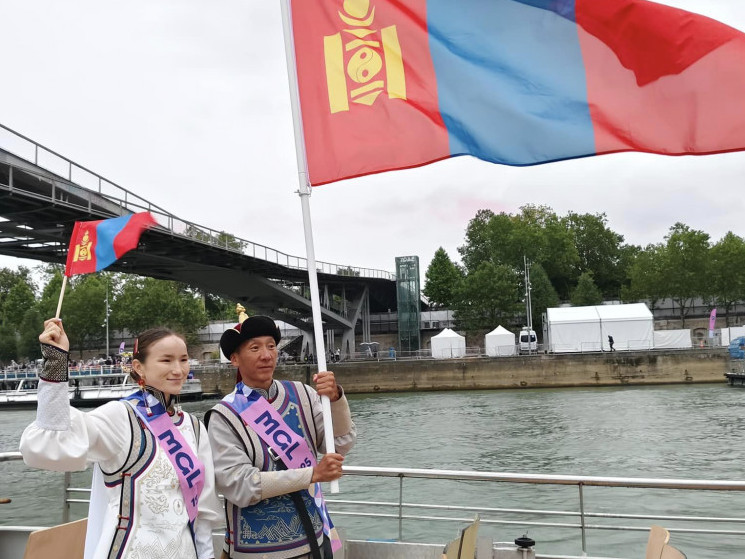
x=186, y=103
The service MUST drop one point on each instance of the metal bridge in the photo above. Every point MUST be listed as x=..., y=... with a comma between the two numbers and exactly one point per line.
x=42, y=195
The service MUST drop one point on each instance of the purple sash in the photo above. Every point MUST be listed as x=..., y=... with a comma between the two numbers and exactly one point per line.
x=264, y=420
x=189, y=468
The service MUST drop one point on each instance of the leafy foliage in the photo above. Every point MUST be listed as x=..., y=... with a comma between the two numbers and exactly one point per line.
x=442, y=280
x=28, y=338
x=221, y=239
x=599, y=250
x=586, y=293
x=146, y=302
x=17, y=293
x=726, y=280
x=487, y=297
x=84, y=313
x=8, y=343
x=685, y=264
x=218, y=308
x=542, y=293
x=646, y=275
x=136, y=304
x=347, y=271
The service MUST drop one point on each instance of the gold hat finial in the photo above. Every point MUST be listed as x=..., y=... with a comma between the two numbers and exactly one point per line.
x=241, y=310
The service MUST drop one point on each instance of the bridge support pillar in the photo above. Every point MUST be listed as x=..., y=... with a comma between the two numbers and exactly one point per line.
x=308, y=346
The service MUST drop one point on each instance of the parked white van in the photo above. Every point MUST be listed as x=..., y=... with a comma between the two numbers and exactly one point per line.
x=528, y=341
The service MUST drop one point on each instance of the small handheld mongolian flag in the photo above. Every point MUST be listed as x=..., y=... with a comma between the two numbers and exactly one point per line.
x=96, y=245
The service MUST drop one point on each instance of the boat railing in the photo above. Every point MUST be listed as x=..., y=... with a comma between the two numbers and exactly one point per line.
x=75, y=372
x=582, y=519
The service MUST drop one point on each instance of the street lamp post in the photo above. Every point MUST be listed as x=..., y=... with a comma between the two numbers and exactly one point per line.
x=528, y=303
x=107, y=318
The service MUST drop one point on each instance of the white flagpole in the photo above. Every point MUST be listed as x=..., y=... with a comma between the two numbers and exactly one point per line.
x=304, y=192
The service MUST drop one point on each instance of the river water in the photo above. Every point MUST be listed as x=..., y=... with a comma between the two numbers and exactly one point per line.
x=685, y=431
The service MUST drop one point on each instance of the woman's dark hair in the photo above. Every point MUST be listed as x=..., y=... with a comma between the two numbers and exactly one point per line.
x=148, y=338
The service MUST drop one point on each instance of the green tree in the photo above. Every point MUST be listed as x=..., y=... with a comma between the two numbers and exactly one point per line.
x=686, y=261
x=586, y=293
x=84, y=312
x=646, y=275
x=17, y=293
x=19, y=299
x=477, y=248
x=442, y=279
x=725, y=278
x=218, y=308
x=557, y=255
x=536, y=233
x=50, y=293
x=8, y=344
x=626, y=257
x=487, y=297
x=9, y=278
x=542, y=293
x=347, y=271
x=221, y=239
x=510, y=238
x=599, y=251
x=146, y=302
x=28, y=339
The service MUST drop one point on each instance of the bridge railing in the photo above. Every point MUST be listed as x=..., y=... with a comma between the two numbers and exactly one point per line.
x=128, y=201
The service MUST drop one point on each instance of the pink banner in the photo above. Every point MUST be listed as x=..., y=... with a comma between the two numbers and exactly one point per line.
x=712, y=321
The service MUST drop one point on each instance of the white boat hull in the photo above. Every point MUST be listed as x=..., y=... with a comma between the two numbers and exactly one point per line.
x=87, y=391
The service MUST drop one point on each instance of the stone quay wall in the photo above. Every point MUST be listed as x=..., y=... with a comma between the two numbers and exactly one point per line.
x=479, y=373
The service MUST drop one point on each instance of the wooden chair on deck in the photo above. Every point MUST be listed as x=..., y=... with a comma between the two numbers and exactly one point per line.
x=463, y=547
x=657, y=547
x=65, y=540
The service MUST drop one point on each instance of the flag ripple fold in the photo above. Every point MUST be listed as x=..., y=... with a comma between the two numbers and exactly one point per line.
x=95, y=245
x=394, y=84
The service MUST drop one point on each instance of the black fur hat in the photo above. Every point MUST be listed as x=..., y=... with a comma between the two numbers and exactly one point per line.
x=252, y=327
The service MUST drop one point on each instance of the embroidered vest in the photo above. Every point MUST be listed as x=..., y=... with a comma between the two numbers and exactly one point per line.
x=143, y=452
x=272, y=528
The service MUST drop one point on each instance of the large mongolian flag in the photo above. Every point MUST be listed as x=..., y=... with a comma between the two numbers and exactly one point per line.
x=392, y=84
x=94, y=245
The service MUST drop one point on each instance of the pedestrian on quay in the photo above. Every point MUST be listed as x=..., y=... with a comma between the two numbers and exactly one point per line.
x=610, y=342
x=265, y=436
x=153, y=491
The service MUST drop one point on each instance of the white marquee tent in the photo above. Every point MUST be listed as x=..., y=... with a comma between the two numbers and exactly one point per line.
x=499, y=341
x=448, y=344
x=673, y=339
x=730, y=333
x=581, y=329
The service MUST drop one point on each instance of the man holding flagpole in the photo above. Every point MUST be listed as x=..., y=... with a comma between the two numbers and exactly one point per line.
x=265, y=436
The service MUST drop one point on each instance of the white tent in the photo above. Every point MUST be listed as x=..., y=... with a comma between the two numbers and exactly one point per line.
x=573, y=329
x=730, y=333
x=499, y=341
x=580, y=329
x=672, y=339
x=632, y=326
x=448, y=344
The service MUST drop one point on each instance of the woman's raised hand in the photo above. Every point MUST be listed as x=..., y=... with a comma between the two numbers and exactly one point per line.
x=54, y=334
